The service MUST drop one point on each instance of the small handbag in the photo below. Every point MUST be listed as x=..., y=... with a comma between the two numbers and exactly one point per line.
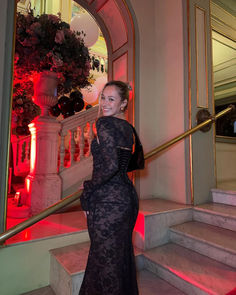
x=137, y=161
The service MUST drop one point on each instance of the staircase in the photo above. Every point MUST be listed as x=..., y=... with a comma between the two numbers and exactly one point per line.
x=179, y=250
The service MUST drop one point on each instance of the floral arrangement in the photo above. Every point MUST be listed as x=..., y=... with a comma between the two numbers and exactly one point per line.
x=45, y=42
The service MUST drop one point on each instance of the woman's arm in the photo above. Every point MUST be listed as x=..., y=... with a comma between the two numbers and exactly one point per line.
x=108, y=148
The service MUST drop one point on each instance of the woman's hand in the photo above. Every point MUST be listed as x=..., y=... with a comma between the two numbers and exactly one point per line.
x=86, y=213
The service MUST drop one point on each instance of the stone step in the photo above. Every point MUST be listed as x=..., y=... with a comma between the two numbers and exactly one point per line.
x=189, y=271
x=41, y=291
x=68, y=264
x=154, y=219
x=224, y=196
x=148, y=283
x=212, y=241
x=216, y=214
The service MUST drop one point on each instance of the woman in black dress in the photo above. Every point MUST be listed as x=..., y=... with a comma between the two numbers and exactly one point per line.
x=111, y=201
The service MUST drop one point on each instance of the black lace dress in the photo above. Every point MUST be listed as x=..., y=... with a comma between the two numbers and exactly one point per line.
x=112, y=202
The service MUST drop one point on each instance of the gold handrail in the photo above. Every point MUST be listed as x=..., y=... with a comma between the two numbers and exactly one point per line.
x=71, y=198
x=189, y=132
x=34, y=219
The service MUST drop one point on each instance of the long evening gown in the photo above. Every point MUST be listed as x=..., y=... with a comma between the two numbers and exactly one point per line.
x=113, y=209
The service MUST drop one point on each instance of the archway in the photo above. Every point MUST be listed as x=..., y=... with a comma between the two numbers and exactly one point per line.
x=116, y=24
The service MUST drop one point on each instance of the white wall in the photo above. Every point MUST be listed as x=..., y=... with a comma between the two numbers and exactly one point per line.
x=161, y=95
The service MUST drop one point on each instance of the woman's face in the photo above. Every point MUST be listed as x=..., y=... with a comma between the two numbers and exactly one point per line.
x=110, y=102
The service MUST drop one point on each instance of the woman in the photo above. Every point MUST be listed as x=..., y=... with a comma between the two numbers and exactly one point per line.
x=110, y=201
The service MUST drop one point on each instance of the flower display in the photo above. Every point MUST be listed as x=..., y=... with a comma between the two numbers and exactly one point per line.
x=45, y=42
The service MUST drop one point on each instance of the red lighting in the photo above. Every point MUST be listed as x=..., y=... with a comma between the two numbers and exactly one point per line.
x=232, y=292
x=33, y=147
x=140, y=225
x=27, y=185
x=26, y=235
x=17, y=198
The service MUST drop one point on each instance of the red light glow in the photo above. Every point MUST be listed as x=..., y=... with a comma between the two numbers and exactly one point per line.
x=27, y=185
x=33, y=147
x=140, y=225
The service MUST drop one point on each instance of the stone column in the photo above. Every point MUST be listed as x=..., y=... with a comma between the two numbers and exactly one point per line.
x=43, y=184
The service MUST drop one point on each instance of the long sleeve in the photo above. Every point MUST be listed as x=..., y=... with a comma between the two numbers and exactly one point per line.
x=109, y=157
x=108, y=150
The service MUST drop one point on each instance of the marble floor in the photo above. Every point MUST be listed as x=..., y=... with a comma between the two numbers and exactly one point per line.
x=68, y=222
x=149, y=284
x=53, y=225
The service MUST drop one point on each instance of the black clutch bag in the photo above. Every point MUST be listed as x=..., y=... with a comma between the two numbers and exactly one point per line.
x=137, y=161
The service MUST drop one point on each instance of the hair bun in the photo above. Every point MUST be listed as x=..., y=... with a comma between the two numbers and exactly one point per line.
x=129, y=86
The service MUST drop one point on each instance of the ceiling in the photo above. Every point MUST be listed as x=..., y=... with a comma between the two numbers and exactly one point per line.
x=227, y=5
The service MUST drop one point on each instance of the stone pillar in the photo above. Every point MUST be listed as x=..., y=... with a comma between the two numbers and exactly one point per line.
x=43, y=184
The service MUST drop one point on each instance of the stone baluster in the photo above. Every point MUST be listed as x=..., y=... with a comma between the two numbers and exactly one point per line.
x=90, y=137
x=17, y=152
x=81, y=142
x=72, y=145
x=28, y=150
x=62, y=151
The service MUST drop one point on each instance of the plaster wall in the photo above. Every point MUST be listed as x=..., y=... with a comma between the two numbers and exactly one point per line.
x=160, y=114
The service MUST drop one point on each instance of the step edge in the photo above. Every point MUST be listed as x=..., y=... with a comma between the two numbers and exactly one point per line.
x=203, y=241
x=191, y=282
x=80, y=271
x=227, y=192
x=147, y=214
x=211, y=212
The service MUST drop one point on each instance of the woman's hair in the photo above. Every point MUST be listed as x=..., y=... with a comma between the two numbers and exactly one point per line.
x=123, y=89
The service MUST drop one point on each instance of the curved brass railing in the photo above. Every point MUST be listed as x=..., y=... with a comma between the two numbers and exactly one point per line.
x=71, y=198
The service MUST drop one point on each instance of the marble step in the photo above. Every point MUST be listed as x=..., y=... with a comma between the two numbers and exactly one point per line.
x=212, y=241
x=189, y=271
x=148, y=283
x=41, y=291
x=154, y=219
x=68, y=264
x=224, y=196
x=216, y=214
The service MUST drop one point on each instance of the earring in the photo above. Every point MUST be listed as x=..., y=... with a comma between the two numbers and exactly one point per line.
x=122, y=109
